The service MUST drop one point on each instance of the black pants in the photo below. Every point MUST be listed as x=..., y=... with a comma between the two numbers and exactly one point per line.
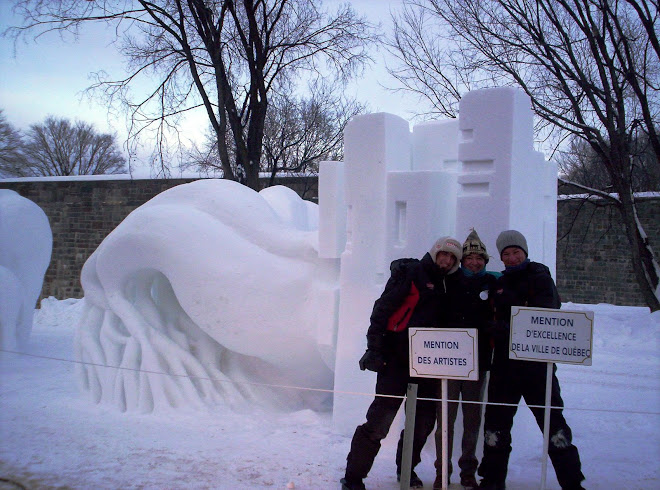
x=380, y=415
x=509, y=381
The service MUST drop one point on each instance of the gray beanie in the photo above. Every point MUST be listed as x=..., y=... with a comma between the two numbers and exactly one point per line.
x=511, y=238
x=451, y=245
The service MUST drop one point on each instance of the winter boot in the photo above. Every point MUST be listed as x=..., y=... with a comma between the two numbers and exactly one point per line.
x=491, y=485
x=415, y=482
x=351, y=484
x=469, y=482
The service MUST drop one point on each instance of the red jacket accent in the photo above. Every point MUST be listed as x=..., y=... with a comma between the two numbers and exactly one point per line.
x=399, y=319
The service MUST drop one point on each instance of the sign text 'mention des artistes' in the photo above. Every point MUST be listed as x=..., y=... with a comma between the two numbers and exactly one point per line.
x=443, y=353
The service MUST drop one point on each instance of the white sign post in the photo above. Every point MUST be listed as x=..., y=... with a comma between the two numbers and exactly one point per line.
x=445, y=353
x=549, y=335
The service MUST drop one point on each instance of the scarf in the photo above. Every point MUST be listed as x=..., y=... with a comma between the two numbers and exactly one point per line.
x=514, y=268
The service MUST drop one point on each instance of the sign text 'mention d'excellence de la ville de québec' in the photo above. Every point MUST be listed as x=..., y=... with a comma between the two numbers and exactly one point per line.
x=550, y=335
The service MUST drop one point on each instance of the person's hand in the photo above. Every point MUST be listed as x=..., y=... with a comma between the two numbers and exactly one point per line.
x=373, y=361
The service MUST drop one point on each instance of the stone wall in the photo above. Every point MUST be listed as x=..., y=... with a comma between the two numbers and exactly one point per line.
x=592, y=259
x=83, y=212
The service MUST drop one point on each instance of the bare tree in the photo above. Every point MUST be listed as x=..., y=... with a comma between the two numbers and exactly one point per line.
x=302, y=131
x=224, y=56
x=299, y=132
x=579, y=164
x=590, y=67
x=12, y=159
x=57, y=147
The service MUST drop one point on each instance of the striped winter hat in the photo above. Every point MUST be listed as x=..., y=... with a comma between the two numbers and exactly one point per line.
x=474, y=245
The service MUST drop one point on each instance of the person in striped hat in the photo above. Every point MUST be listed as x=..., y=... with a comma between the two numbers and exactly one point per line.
x=474, y=310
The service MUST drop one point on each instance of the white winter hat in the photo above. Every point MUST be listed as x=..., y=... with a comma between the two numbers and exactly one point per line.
x=451, y=245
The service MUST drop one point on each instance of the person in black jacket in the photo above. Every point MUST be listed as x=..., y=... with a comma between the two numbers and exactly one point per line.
x=473, y=311
x=414, y=296
x=523, y=283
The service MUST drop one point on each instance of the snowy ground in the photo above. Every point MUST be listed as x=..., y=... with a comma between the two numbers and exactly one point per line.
x=51, y=437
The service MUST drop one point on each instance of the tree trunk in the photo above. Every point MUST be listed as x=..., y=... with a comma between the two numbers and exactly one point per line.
x=643, y=261
x=252, y=176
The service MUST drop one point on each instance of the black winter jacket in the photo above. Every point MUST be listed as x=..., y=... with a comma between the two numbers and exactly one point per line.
x=477, y=312
x=531, y=285
x=434, y=308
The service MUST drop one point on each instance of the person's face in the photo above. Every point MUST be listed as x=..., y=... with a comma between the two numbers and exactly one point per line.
x=474, y=262
x=445, y=261
x=513, y=256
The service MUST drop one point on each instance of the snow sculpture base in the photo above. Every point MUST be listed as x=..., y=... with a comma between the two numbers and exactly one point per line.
x=193, y=301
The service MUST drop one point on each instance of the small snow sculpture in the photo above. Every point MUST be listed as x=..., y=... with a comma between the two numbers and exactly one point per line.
x=26, y=243
x=215, y=285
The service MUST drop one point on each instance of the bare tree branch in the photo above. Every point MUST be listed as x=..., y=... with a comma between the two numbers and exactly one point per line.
x=57, y=147
x=590, y=67
x=223, y=55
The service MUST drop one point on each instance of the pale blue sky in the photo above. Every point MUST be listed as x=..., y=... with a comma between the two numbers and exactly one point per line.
x=48, y=76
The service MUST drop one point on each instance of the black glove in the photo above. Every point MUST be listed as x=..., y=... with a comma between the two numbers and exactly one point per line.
x=373, y=361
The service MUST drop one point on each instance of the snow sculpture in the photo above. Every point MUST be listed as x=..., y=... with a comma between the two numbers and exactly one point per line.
x=400, y=191
x=228, y=290
x=211, y=283
x=26, y=242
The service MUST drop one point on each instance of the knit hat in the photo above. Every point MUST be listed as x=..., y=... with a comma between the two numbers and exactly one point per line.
x=511, y=238
x=448, y=244
x=474, y=245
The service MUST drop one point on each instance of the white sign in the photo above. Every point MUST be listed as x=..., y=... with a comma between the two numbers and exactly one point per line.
x=549, y=335
x=449, y=353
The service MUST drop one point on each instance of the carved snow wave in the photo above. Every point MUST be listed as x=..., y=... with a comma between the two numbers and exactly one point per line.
x=206, y=294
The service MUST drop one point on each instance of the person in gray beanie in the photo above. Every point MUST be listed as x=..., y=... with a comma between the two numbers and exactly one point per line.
x=523, y=283
x=417, y=294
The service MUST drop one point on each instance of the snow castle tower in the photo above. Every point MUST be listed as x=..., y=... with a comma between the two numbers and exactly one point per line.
x=396, y=192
